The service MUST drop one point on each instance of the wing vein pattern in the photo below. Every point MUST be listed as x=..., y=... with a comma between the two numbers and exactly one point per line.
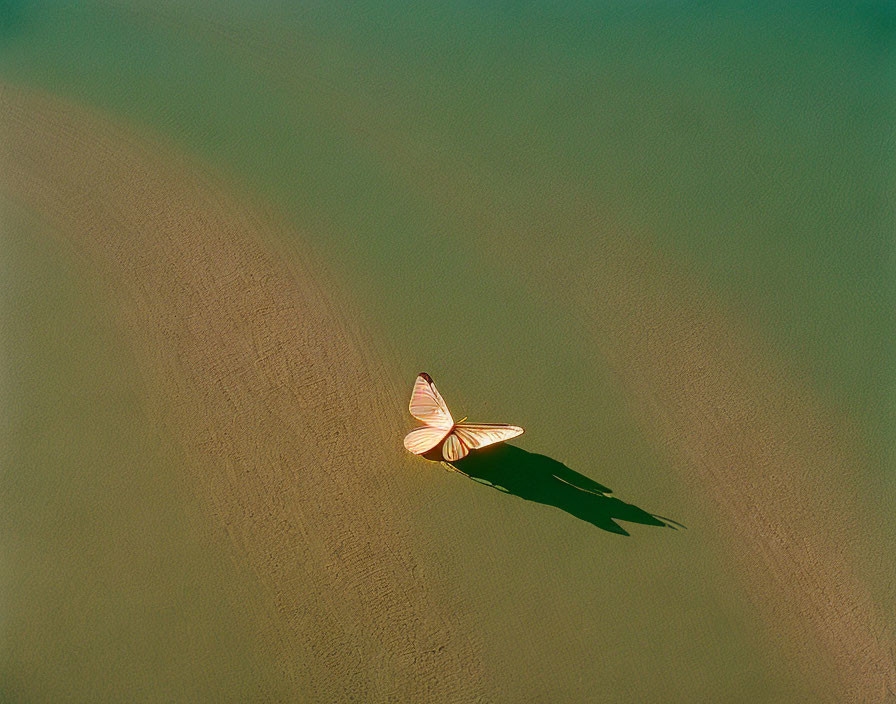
x=428, y=406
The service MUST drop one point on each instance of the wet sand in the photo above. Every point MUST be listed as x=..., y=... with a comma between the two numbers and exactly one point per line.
x=287, y=417
x=282, y=416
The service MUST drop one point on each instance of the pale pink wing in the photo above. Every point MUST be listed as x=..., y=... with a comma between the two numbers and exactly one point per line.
x=428, y=405
x=476, y=435
x=421, y=440
x=454, y=448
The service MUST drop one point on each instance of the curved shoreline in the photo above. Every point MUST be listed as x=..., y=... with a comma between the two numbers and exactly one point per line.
x=281, y=408
x=764, y=453
x=269, y=392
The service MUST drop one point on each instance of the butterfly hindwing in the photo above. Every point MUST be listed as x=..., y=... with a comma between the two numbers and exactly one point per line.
x=454, y=449
x=427, y=404
x=422, y=440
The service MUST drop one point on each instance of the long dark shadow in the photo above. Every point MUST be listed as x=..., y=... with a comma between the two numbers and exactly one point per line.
x=546, y=481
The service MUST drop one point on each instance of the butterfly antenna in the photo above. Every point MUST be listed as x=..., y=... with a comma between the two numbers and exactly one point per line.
x=674, y=525
x=587, y=491
x=451, y=468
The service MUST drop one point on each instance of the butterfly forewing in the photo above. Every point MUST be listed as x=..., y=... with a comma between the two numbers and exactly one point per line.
x=421, y=440
x=476, y=435
x=427, y=404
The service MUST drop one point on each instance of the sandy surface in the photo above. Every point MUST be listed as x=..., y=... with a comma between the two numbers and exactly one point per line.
x=288, y=422
x=283, y=418
x=775, y=464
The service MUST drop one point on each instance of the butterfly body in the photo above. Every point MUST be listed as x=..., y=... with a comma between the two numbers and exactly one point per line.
x=456, y=439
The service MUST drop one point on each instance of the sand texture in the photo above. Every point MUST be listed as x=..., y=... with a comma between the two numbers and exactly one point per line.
x=775, y=464
x=282, y=416
x=290, y=420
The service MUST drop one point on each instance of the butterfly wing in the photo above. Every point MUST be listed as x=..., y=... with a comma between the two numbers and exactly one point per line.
x=421, y=440
x=427, y=404
x=454, y=448
x=476, y=435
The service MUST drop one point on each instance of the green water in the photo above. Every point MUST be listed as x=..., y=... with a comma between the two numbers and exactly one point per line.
x=452, y=164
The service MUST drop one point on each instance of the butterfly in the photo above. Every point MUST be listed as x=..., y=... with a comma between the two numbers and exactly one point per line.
x=457, y=439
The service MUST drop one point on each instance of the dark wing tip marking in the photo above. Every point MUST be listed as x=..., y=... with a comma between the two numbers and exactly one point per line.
x=426, y=377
